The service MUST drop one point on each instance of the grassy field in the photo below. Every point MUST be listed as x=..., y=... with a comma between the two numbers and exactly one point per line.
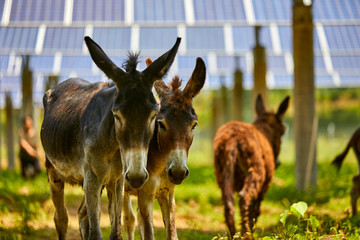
x=26, y=211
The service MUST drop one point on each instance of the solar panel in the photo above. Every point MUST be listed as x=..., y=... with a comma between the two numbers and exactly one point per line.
x=112, y=39
x=2, y=3
x=78, y=64
x=336, y=10
x=205, y=38
x=37, y=10
x=229, y=63
x=4, y=61
x=349, y=80
x=18, y=38
x=42, y=64
x=63, y=38
x=156, y=38
x=272, y=10
x=324, y=81
x=344, y=64
x=276, y=64
x=214, y=10
x=343, y=37
x=244, y=38
x=159, y=11
x=98, y=11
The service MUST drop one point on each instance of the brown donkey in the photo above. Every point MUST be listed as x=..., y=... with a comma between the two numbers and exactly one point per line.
x=167, y=156
x=355, y=144
x=245, y=161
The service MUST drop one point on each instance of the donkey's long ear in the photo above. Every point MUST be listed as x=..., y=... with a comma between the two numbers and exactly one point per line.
x=259, y=106
x=161, y=89
x=197, y=80
x=157, y=69
x=103, y=61
x=283, y=107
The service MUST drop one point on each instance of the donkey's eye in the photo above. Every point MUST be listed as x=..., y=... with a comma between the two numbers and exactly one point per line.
x=161, y=125
x=194, y=126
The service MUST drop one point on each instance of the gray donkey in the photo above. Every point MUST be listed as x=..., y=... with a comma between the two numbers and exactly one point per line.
x=94, y=134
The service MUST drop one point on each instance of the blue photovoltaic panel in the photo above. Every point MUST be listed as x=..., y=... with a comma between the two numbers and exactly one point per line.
x=159, y=11
x=4, y=61
x=346, y=63
x=349, y=80
x=319, y=63
x=283, y=80
x=37, y=10
x=336, y=9
x=10, y=83
x=272, y=10
x=244, y=38
x=187, y=63
x=276, y=63
x=76, y=64
x=112, y=38
x=230, y=63
x=42, y=63
x=324, y=80
x=2, y=2
x=70, y=38
x=343, y=37
x=214, y=10
x=205, y=38
x=285, y=34
x=98, y=10
x=21, y=39
x=157, y=38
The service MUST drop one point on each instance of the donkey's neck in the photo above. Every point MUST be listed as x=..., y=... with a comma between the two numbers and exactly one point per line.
x=265, y=129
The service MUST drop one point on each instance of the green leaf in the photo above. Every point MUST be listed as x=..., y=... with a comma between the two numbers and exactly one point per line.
x=314, y=222
x=299, y=209
x=283, y=216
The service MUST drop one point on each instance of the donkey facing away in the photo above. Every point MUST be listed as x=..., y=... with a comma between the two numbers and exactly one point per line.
x=97, y=134
x=245, y=161
x=167, y=156
x=337, y=162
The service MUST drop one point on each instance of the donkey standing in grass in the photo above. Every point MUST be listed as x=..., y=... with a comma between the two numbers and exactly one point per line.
x=94, y=134
x=167, y=155
x=245, y=161
x=168, y=152
x=355, y=190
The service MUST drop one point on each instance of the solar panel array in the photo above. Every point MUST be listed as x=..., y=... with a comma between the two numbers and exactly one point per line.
x=221, y=32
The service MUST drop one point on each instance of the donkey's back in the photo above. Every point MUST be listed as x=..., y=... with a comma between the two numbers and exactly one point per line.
x=66, y=110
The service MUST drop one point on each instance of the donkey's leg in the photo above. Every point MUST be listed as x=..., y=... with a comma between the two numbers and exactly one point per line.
x=355, y=193
x=83, y=221
x=57, y=196
x=129, y=217
x=167, y=205
x=115, y=191
x=249, y=192
x=92, y=189
x=145, y=217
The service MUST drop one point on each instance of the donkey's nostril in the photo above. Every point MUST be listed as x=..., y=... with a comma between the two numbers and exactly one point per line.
x=187, y=173
x=170, y=173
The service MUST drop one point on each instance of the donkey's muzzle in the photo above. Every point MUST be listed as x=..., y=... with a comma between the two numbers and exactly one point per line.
x=136, y=180
x=178, y=175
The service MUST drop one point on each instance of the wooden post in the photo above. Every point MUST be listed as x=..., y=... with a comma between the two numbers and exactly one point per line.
x=9, y=132
x=216, y=114
x=304, y=97
x=224, y=101
x=259, y=55
x=27, y=88
x=52, y=82
x=238, y=94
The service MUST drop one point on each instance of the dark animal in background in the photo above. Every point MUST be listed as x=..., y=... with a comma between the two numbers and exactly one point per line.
x=354, y=143
x=97, y=134
x=245, y=161
x=168, y=152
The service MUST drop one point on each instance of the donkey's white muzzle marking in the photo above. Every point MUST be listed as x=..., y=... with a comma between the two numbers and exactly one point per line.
x=177, y=169
x=135, y=173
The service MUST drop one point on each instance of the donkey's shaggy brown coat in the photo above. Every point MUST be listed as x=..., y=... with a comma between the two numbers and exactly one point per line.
x=354, y=143
x=245, y=156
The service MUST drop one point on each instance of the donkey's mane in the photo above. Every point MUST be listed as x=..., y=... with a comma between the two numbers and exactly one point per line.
x=178, y=97
x=131, y=63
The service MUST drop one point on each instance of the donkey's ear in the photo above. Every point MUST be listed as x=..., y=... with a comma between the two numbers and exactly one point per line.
x=197, y=80
x=157, y=69
x=148, y=61
x=103, y=61
x=161, y=89
x=283, y=107
x=259, y=106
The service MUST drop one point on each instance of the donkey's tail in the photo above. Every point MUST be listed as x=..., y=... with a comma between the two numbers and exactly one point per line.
x=337, y=162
